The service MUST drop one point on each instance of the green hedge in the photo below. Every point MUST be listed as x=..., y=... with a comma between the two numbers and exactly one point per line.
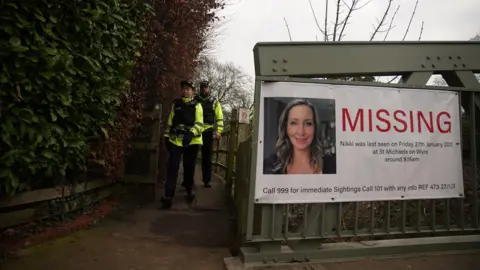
x=64, y=67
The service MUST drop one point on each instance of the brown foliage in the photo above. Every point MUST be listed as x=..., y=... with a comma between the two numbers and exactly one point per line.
x=176, y=34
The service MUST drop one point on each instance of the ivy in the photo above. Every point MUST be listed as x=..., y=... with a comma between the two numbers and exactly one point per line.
x=65, y=69
x=73, y=79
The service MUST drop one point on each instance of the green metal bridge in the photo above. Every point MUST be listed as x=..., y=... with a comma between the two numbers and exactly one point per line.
x=284, y=233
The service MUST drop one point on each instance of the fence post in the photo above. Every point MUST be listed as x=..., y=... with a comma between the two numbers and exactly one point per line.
x=154, y=157
x=240, y=179
x=232, y=147
x=217, y=147
x=243, y=133
x=243, y=129
x=132, y=171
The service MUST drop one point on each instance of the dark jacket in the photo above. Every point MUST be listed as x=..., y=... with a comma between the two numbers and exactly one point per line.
x=329, y=165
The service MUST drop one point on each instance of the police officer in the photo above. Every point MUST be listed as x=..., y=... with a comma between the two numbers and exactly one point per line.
x=213, y=126
x=183, y=137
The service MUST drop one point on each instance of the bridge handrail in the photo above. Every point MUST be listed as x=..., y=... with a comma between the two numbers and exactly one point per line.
x=354, y=221
x=220, y=153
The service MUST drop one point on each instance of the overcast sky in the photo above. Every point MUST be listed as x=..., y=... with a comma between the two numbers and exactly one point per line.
x=251, y=21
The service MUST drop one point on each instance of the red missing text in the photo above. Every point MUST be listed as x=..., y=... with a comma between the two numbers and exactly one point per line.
x=400, y=121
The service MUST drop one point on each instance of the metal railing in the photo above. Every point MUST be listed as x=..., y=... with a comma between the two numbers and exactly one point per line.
x=270, y=226
x=220, y=153
x=295, y=232
x=224, y=155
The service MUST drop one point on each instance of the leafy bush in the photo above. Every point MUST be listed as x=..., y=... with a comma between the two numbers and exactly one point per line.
x=65, y=67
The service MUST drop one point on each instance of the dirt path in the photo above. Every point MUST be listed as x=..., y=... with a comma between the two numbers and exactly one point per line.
x=144, y=239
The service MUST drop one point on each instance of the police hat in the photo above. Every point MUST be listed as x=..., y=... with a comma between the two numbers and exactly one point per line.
x=186, y=83
x=204, y=84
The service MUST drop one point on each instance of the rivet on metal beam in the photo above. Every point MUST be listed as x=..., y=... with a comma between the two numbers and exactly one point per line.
x=274, y=69
x=423, y=66
x=284, y=69
x=274, y=60
x=428, y=57
x=450, y=57
x=455, y=65
x=285, y=60
x=438, y=57
x=458, y=57
x=433, y=65
x=463, y=65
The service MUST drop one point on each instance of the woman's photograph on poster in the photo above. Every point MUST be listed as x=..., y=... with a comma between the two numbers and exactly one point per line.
x=299, y=136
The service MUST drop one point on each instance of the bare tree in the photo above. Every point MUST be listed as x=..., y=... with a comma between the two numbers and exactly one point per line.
x=217, y=28
x=344, y=11
x=336, y=31
x=228, y=82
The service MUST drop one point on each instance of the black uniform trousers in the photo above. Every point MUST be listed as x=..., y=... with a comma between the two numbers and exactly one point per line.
x=189, y=159
x=207, y=148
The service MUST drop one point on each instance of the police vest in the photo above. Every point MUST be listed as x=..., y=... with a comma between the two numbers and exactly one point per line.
x=184, y=113
x=208, y=110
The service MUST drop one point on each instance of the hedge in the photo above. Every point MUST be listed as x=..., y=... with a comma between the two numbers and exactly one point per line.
x=65, y=67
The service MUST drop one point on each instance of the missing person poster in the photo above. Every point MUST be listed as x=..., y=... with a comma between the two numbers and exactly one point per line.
x=339, y=143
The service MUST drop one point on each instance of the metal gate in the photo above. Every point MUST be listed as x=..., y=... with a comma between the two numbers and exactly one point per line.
x=289, y=233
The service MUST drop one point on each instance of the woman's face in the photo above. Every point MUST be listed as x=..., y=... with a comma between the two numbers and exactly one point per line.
x=300, y=126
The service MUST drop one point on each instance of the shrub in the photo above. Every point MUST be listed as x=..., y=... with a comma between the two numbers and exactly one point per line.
x=65, y=67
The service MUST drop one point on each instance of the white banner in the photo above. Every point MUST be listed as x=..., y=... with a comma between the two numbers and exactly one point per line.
x=331, y=143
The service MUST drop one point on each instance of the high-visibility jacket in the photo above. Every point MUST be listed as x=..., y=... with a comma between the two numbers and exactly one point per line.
x=212, y=113
x=186, y=115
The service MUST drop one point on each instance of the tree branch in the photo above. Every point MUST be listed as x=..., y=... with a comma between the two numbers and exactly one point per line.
x=326, y=20
x=390, y=26
x=288, y=29
x=406, y=32
x=335, y=26
x=353, y=7
x=421, y=32
x=364, y=5
x=316, y=21
x=410, y=22
x=229, y=83
x=381, y=23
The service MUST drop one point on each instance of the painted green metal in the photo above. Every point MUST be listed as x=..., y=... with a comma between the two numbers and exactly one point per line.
x=232, y=145
x=267, y=232
x=311, y=59
x=351, y=251
x=470, y=88
x=253, y=171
